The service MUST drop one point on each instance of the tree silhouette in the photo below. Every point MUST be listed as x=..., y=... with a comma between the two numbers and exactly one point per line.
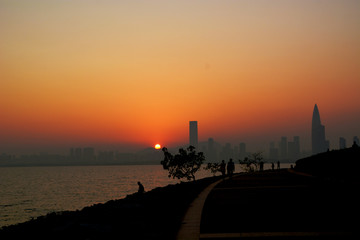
x=213, y=168
x=184, y=164
x=252, y=163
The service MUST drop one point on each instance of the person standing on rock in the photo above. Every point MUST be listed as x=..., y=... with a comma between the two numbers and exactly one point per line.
x=141, y=188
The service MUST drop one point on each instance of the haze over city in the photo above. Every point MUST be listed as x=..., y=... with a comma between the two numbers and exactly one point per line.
x=126, y=75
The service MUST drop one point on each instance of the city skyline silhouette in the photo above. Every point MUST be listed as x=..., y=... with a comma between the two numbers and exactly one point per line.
x=283, y=150
x=277, y=148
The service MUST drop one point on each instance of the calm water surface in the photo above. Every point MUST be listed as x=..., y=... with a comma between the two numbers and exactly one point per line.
x=29, y=192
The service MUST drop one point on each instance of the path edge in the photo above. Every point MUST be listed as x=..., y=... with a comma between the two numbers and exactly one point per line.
x=190, y=226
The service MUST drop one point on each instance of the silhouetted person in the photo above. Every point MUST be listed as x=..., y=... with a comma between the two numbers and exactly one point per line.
x=272, y=166
x=141, y=188
x=222, y=167
x=261, y=166
x=278, y=164
x=230, y=167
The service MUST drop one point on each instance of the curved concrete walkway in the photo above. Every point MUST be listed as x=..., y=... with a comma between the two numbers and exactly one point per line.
x=190, y=228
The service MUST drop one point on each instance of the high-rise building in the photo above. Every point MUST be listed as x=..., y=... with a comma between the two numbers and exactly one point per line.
x=342, y=143
x=88, y=153
x=318, y=142
x=211, y=153
x=78, y=154
x=283, y=148
x=294, y=149
x=242, y=151
x=297, y=142
x=193, y=134
x=72, y=153
x=273, y=152
x=227, y=152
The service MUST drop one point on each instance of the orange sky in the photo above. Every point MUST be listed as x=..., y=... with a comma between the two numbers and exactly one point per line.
x=135, y=72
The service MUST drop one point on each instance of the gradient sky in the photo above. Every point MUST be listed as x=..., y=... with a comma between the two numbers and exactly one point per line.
x=86, y=72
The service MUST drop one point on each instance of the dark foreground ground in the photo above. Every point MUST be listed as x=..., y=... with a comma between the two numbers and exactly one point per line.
x=156, y=214
x=282, y=205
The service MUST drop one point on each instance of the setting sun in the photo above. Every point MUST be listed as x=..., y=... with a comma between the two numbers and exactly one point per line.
x=157, y=146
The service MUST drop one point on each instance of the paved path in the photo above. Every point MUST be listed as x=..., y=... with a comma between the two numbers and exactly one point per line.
x=190, y=228
x=277, y=205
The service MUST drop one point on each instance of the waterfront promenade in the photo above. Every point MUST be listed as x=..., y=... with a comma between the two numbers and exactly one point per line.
x=274, y=205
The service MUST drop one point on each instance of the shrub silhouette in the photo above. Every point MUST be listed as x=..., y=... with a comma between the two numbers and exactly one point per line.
x=184, y=164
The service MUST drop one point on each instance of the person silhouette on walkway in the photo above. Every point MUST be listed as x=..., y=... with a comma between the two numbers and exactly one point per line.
x=261, y=166
x=222, y=167
x=278, y=165
x=230, y=167
x=272, y=166
x=141, y=188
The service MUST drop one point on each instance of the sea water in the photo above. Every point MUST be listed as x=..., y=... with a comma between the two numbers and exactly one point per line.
x=29, y=192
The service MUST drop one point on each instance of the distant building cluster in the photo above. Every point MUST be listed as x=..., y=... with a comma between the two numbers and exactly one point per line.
x=287, y=151
x=83, y=156
x=89, y=155
x=215, y=152
x=284, y=150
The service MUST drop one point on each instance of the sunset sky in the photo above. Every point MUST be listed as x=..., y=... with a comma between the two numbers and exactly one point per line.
x=134, y=73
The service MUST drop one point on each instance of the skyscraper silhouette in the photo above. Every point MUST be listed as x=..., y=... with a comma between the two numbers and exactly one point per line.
x=283, y=148
x=193, y=134
x=294, y=149
x=211, y=151
x=242, y=150
x=318, y=142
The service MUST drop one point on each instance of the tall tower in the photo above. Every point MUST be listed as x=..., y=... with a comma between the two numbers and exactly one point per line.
x=193, y=134
x=318, y=142
x=283, y=148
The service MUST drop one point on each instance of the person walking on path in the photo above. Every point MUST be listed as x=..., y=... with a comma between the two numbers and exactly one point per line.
x=278, y=165
x=261, y=166
x=230, y=167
